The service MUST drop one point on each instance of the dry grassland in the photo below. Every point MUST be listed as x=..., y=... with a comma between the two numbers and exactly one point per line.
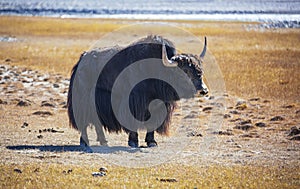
x=254, y=63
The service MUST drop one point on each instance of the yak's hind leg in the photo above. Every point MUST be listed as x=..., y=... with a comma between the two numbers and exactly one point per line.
x=100, y=135
x=150, y=139
x=133, y=139
x=84, y=141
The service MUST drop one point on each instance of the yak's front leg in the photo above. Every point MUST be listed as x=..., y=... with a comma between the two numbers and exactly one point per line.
x=133, y=139
x=84, y=141
x=150, y=139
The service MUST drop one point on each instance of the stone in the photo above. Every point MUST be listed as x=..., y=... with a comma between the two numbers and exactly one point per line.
x=167, y=180
x=47, y=104
x=228, y=133
x=43, y=113
x=294, y=131
x=103, y=169
x=288, y=106
x=297, y=137
x=24, y=125
x=99, y=174
x=260, y=124
x=3, y=102
x=241, y=105
x=234, y=112
x=194, y=134
x=254, y=99
x=245, y=122
x=17, y=170
x=24, y=103
x=207, y=109
x=40, y=136
x=225, y=116
x=55, y=85
x=244, y=127
x=68, y=171
x=277, y=118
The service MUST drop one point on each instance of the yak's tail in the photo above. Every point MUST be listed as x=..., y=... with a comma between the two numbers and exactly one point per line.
x=72, y=121
x=164, y=128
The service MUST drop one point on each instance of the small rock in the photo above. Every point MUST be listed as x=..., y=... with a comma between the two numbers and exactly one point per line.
x=207, y=109
x=36, y=170
x=235, y=120
x=167, y=180
x=294, y=131
x=24, y=125
x=68, y=171
x=24, y=103
x=277, y=118
x=189, y=116
x=223, y=133
x=193, y=133
x=245, y=122
x=226, y=116
x=99, y=174
x=40, y=136
x=55, y=85
x=47, y=104
x=241, y=105
x=244, y=127
x=234, y=112
x=254, y=99
x=296, y=137
x=43, y=113
x=288, y=106
x=50, y=131
x=297, y=114
x=103, y=169
x=260, y=124
x=17, y=170
x=246, y=136
x=3, y=102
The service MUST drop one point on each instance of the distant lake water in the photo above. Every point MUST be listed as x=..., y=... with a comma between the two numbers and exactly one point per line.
x=282, y=11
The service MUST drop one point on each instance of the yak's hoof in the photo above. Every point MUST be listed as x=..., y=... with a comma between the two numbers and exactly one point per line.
x=86, y=148
x=133, y=144
x=152, y=144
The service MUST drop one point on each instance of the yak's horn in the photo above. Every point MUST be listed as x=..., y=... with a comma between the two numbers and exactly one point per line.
x=204, y=49
x=165, y=60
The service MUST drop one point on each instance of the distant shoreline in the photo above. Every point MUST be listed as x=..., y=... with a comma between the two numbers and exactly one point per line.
x=242, y=17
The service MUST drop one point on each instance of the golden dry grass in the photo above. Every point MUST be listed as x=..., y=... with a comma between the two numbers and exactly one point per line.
x=166, y=176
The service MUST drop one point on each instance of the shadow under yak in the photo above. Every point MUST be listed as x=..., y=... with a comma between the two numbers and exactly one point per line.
x=75, y=148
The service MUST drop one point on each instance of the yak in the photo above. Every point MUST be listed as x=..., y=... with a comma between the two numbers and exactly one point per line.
x=94, y=90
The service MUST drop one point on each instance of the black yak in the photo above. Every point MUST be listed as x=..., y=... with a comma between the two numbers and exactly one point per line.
x=97, y=71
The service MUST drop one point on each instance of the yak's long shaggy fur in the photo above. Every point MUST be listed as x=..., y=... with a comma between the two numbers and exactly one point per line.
x=141, y=95
x=72, y=121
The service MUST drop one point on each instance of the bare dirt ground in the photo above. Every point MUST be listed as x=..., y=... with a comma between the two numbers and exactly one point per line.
x=255, y=137
x=34, y=128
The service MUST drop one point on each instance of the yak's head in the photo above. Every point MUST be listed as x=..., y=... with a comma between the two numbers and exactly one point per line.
x=191, y=65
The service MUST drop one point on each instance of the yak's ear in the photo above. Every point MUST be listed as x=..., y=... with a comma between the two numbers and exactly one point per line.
x=165, y=60
x=204, y=50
